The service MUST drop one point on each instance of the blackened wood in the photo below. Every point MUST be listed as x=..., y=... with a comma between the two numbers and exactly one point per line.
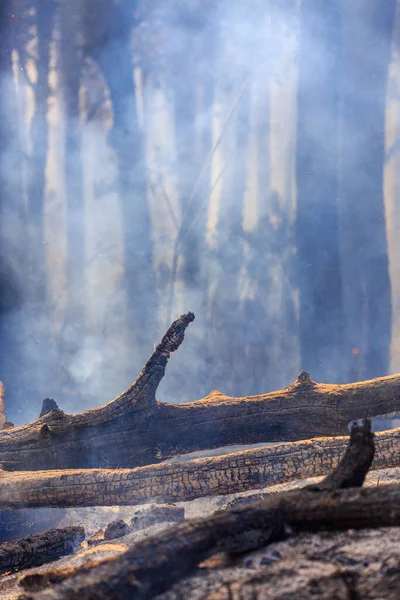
x=36, y=550
x=185, y=481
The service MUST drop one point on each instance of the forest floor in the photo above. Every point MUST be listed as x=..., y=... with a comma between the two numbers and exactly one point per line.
x=285, y=569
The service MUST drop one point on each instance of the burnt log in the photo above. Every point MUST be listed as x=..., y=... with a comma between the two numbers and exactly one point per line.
x=153, y=565
x=186, y=481
x=16, y=524
x=36, y=550
x=136, y=429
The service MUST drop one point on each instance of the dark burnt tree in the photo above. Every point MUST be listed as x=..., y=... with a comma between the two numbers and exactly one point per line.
x=366, y=51
x=317, y=234
x=225, y=301
x=108, y=30
x=11, y=212
x=70, y=66
x=193, y=27
x=34, y=37
x=43, y=24
x=184, y=42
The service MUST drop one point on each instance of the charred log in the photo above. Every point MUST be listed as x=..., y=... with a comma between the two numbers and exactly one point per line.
x=154, y=564
x=185, y=481
x=37, y=550
x=356, y=462
x=135, y=429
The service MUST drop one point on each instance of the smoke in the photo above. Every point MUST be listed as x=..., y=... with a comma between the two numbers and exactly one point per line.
x=187, y=124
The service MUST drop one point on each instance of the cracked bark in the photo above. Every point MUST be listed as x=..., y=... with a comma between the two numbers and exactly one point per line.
x=136, y=429
x=153, y=565
x=36, y=550
x=178, y=482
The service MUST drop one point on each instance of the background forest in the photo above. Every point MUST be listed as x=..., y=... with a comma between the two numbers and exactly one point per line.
x=238, y=159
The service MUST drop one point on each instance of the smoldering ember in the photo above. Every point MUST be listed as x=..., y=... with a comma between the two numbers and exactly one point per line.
x=241, y=160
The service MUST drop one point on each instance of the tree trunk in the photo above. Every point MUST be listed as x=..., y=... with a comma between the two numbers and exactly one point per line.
x=70, y=66
x=109, y=45
x=193, y=120
x=229, y=260
x=12, y=215
x=363, y=226
x=45, y=12
x=136, y=429
x=185, y=481
x=186, y=141
x=317, y=235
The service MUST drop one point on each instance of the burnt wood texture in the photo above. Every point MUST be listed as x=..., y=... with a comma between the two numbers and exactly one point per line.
x=136, y=429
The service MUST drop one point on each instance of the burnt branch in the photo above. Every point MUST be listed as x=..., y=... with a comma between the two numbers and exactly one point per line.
x=356, y=462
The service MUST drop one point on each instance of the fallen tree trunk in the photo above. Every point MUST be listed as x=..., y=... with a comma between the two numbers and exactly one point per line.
x=37, y=550
x=135, y=429
x=179, y=482
x=153, y=565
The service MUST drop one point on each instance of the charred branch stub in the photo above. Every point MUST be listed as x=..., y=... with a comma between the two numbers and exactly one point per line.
x=356, y=461
x=135, y=429
x=48, y=405
x=153, y=565
x=149, y=379
x=303, y=381
x=37, y=550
